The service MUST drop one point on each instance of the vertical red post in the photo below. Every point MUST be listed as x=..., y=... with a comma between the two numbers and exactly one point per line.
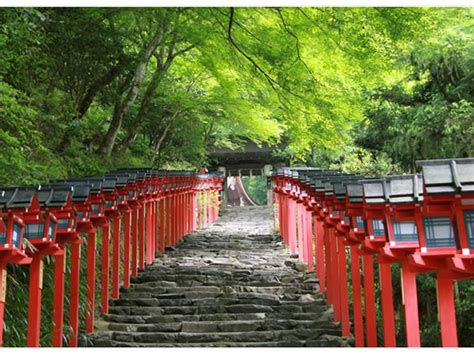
x=74, y=297
x=370, y=311
x=141, y=237
x=320, y=272
x=334, y=275
x=410, y=300
x=3, y=291
x=162, y=226
x=299, y=231
x=328, y=268
x=116, y=258
x=309, y=241
x=446, y=311
x=292, y=225
x=105, y=269
x=34, y=302
x=169, y=240
x=58, y=297
x=148, y=236
x=135, y=213
x=343, y=292
x=388, y=315
x=357, y=297
x=126, y=250
x=90, y=291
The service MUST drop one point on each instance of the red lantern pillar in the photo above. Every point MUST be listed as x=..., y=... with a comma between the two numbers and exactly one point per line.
x=135, y=213
x=126, y=249
x=116, y=258
x=357, y=297
x=34, y=301
x=370, y=310
x=74, y=297
x=105, y=269
x=90, y=291
x=58, y=297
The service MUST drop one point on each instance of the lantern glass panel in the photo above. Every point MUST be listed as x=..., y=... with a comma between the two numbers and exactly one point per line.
x=82, y=215
x=347, y=219
x=34, y=230
x=360, y=222
x=63, y=223
x=109, y=204
x=378, y=229
x=51, y=227
x=16, y=235
x=439, y=232
x=95, y=209
x=405, y=231
x=469, y=224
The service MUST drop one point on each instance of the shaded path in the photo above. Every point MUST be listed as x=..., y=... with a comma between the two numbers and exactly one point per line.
x=223, y=287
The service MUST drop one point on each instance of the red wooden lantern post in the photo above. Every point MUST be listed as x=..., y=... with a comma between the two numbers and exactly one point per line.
x=445, y=232
x=40, y=230
x=356, y=234
x=374, y=204
x=58, y=201
x=403, y=195
x=11, y=246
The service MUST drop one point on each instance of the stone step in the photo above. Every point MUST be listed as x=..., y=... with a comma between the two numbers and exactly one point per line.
x=148, y=308
x=212, y=337
x=148, y=319
x=228, y=326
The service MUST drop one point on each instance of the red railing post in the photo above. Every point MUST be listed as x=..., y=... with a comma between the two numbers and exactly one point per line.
x=134, y=269
x=74, y=297
x=105, y=269
x=320, y=267
x=370, y=310
x=162, y=225
x=126, y=249
x=446, y=310
x=34, y=301
x=309, y=241
x=90, y=291
x=410, y=300
x=357, y=297
x=141, y=237
x=343, y=292
x=292, y=225
x=388, y=315
x=58, y=298
x=116, y=258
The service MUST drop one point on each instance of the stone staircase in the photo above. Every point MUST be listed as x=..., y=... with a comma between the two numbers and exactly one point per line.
x=222, y=287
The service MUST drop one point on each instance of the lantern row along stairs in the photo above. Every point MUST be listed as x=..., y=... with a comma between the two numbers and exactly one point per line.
x=424, y=222
x=152, y=209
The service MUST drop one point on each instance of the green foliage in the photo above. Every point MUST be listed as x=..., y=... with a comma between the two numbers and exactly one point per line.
x=256, y=187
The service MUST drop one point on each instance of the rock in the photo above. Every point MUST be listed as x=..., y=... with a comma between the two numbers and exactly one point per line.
x=306, y=298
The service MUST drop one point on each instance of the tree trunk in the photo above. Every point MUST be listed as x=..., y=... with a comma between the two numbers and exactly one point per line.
x=144, y=107
x=137, y=80
x=86, y=101
x=157, y=147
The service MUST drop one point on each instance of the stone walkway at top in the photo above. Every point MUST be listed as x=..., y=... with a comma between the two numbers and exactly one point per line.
x=232, y=284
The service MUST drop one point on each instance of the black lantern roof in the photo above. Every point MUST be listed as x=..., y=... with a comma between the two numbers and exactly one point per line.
x=6, y=194
x=373, y=191
x=109, y=184
x=355, y=192
x=80, y=193
x=22, y=198
x=448, y=175
x=404, y=188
